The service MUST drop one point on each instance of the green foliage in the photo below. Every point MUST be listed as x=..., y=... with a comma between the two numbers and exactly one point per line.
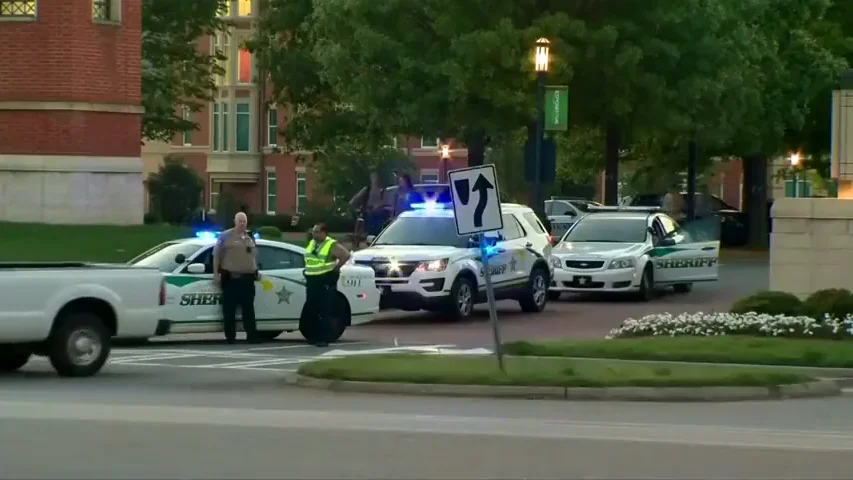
x=834, y=302
x=770, y=303
x=269, y=232
x=175, y=191
x=174, y=70
x=345, y=168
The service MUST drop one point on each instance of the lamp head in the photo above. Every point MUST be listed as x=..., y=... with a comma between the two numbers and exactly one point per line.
x=543, y=54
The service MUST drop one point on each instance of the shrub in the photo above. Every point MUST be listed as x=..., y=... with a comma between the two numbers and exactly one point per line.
x=270, y=232
x=721, y=324
x=150, y=219
x=835, y=302
x=770, y=303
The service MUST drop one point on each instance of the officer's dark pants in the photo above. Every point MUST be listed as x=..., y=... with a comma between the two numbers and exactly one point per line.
x=238, y=290
x=314, y=321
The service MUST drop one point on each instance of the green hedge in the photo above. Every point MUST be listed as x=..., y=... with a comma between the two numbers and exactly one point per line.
x=835, y=302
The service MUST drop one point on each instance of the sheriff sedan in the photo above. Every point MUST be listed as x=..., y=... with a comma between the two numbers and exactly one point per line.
x=633, y=250
x=193, y=301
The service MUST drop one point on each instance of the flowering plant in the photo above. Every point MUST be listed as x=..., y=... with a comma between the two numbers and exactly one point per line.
x=717, y=324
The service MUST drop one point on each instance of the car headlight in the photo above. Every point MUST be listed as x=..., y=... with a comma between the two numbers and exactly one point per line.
x=556, y=262
x=622, y=263
x=433, y=266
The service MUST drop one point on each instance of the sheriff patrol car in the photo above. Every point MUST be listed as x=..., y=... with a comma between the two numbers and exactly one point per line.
x=422, y=264
x=563, y=212
x=633, y=249
x=193, y=301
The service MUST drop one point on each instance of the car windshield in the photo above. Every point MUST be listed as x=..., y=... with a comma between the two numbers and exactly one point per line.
x=162, y=257
x=555, y=207
x=417, y=230
x=611, y=230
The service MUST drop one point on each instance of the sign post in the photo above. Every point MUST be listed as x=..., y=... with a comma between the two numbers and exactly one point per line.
x=477, y=210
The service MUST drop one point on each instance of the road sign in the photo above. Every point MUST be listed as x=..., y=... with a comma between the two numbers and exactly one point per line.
x=476, y=201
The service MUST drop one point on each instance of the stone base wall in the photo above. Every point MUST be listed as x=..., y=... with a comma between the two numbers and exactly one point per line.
x=71, y=190
x=811, y=247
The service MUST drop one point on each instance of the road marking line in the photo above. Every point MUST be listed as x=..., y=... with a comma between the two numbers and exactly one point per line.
x=286, y=347
x=209, y=367
x=152, y=357
x=285, y=361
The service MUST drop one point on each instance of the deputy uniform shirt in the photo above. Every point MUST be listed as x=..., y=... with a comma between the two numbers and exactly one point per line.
x=237, y=252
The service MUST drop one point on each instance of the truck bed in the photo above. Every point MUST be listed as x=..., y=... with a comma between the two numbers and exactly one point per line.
x=61, y=266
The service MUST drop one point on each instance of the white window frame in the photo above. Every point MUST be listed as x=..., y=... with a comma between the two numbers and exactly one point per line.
x=430, y=172
x=240, y=41
x=213, y=194
x=393, y=143
x=187, y=136
x=219, y=111
x=237, y=11
x=237, y=115
x=114, y=13
x=434, y=147
x=272, y=194
x=222, y=41
x=272, y=128
x=300, y=177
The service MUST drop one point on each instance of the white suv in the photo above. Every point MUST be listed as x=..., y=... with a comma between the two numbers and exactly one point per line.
x=422, y=264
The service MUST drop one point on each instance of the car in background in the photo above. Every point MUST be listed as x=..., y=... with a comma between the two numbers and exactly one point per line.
x=563, y=212
x=734, y=228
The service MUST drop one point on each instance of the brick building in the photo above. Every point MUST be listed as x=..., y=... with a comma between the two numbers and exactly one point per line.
x=234, y=149
x=70, y=96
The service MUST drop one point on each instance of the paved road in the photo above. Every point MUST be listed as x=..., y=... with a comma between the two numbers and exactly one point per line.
x=148, y=416
x=573, y=316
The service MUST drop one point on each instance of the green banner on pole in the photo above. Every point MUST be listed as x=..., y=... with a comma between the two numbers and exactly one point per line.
x=556, y=108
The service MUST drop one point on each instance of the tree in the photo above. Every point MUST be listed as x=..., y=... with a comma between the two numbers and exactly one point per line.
x=174, y=70
x=175, y=191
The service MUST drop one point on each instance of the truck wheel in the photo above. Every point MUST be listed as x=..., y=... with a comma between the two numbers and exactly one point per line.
x=13, y=361
x=462, y=297
x=647, y=286
x=535, y=296
x=79, y=345
x=332, y=327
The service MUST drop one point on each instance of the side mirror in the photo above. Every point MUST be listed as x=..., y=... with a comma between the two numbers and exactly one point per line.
x=369, y=239
x=650, y=230
x=666, y=242
x=180, y=258
x=196, y=268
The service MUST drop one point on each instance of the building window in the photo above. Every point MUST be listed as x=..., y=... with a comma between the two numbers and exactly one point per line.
x=429, y=176
x=301, y=192
x=243, y=122
x=222, y=46
x=271, y=192
x=391, y=143
x=220, y=127
x=225, y=9
x=244, y=66
x=244, y=8
x=803, y=188
x=430, y=142
x=17, y=8
x=214, y=195
x=272, y=127
x=187, y=134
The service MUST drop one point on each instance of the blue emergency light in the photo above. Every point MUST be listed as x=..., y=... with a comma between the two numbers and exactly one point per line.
x=430, y=205
x=212, y=235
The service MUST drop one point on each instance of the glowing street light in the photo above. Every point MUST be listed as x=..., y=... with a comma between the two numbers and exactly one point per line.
x=795, y=162
x=543, y=55
x=795, y=159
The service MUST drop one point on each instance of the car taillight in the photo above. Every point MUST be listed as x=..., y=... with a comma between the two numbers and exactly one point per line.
x=163, y=292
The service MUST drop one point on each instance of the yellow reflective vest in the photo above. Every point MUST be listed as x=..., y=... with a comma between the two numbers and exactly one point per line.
x=318, y=258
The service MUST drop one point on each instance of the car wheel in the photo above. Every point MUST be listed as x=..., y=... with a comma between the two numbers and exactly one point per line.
x=462, y=297
x=268, y=335
x=332, y=327
x=535, y=297
x=647, y=286
x=14, y=360
x=554, y=296
x=682, y=287
x=79, y=346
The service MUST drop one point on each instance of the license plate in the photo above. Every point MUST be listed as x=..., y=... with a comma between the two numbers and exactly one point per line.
x=583, y=280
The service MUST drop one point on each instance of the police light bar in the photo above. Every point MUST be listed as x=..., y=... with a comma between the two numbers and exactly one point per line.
x=430, y=205
x=612, y=208
x=213, y=235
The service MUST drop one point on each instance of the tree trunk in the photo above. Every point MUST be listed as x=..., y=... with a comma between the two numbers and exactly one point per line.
x=612, y=142
x=755, y=200
x=476, y=145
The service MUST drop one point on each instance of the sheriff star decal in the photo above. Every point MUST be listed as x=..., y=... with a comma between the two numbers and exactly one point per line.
x=284, y=295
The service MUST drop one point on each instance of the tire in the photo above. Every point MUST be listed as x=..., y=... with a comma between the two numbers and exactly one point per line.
x=535, y=296
x=14, y=360
x=79, y=345
x=462, y=298
x=268, y=335
x=647, y=286
x=682, y=287
x=334, y=325
x=554, y=296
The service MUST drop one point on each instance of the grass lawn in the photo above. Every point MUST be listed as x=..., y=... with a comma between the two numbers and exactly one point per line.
x=742, y=350
x=96, y=243
x=560, y=372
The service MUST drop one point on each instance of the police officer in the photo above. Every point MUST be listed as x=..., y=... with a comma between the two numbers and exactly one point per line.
x=324, y=258
x=235, y=270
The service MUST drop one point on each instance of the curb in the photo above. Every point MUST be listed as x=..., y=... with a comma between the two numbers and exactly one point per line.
x=819, y=388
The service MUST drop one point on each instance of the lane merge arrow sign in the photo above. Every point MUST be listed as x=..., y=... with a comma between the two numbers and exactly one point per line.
x=476, y=200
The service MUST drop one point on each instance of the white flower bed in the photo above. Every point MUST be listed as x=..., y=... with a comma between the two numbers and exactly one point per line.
x=716, y=324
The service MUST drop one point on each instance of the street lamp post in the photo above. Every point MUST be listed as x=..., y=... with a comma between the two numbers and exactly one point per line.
x=795, y=162
x=542, y=61
x=445, y=156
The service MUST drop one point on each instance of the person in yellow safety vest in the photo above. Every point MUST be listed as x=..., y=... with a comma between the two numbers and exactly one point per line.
x=324, y=257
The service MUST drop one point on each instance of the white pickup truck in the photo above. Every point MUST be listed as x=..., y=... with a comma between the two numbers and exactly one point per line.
x=69, y=312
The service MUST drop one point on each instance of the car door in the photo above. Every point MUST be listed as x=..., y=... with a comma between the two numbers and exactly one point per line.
x=689, y=253
x=563, y=215
x=198, y=300
x=513, y=263
x=280, y=293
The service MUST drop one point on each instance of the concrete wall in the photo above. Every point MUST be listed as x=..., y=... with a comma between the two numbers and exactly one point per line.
x=811, y=247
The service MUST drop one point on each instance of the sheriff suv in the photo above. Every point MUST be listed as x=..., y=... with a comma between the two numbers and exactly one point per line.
x=421, y=263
